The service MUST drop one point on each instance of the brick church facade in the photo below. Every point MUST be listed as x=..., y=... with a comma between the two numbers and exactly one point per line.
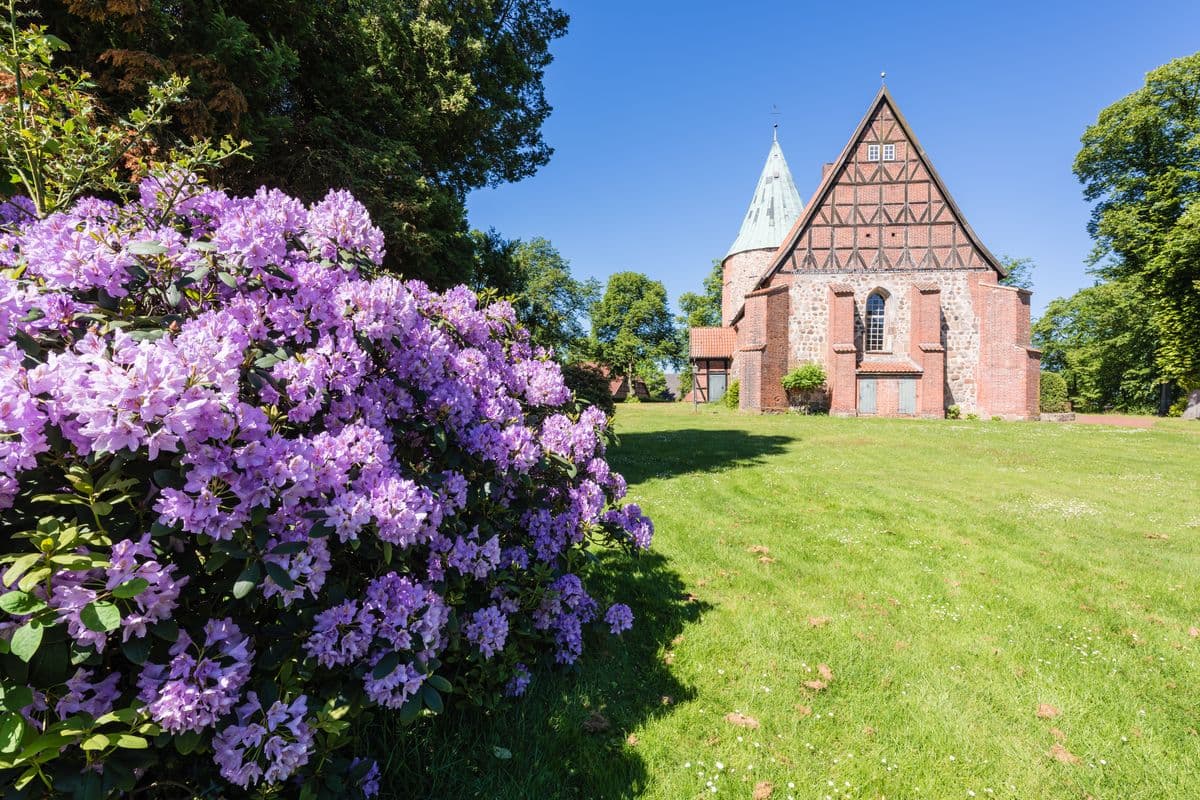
x=880, y=280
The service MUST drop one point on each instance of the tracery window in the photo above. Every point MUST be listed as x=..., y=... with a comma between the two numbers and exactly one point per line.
x=874, y=322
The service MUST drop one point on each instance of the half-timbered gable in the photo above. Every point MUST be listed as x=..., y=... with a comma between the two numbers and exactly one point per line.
x=883, y=282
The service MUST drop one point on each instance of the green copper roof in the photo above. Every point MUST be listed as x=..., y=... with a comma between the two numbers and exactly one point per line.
x=775, y=207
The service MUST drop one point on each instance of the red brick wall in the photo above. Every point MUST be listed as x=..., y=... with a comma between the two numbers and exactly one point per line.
x=1008, y=366
x=841, y=358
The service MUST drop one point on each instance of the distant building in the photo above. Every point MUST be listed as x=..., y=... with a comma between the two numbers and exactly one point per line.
x=880, y=279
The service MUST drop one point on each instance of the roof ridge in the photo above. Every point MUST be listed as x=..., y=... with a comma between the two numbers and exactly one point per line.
x=830, y=177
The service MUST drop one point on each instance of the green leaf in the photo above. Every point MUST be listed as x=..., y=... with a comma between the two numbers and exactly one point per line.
x=136, y=650
x=289, y=548
x=386, y=666
x=97, y=741
x=246, y=581
x=186, y=742
x=12, y=731
x=167, y=630
x=147, y=249
x=20, y=603
x=204, y=247
x=19, y=567
x=17, y=697
x=502, y=753
x=26, y=640
x=102, y=508
x=131, y=588
x=279, y=575
x=131, y=742
x=441, y=684
x=410, y=710
x=101, y=616
x=227, y=279
x=433, y=700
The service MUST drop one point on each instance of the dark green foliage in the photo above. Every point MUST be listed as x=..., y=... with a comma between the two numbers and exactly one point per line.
x=1101, y=341
x=1054, y=394
x=535, y=277
x=732, y=395
x=1140, y=164
x=804, y=378
x=589, y=385
x=1020, y=272
x=631, y=324
x=409, y=104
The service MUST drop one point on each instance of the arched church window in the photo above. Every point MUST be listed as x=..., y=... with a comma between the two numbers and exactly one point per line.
x=875, y=312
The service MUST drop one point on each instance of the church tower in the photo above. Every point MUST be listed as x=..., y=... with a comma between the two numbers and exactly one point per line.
x=774, y=208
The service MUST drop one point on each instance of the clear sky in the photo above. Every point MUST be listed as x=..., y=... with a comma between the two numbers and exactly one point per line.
x=662, y=118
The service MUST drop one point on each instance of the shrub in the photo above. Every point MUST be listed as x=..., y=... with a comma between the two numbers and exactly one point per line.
x=589, y=385
x=732, y=398
x=804, y=378
x=954, y=412
x=1053, y=398
x=250, y=496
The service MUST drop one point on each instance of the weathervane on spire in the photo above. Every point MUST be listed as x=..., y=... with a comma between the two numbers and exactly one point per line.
x=775, y=127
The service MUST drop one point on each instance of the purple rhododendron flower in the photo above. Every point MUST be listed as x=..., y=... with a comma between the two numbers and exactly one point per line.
x=337, y=465
x=619, y=617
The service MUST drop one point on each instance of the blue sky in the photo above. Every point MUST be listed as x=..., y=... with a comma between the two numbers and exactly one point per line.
x=662, y=118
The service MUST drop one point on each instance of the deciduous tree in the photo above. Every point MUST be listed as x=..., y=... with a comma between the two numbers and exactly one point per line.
x=1140, y=165
x=631, y=324
x=409, y=103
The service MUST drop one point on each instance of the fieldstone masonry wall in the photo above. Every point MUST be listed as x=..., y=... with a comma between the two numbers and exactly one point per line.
x=960, y=326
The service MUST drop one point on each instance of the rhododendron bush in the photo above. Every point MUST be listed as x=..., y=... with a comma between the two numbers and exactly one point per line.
x=252, y=495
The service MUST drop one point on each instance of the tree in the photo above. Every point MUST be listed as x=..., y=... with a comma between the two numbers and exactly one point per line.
x=1140, y=165
x=1101, y=342
x=631, y=324
x=408, y=103
x=535, y=277
x=1020, y=272
x=57, y=143
x=699, y=311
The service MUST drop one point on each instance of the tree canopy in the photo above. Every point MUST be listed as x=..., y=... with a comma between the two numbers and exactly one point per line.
x=535, y=277
x=631, y=324
x=1140, y=165
x=1020, y=272
x=408, y=103
x=1102, y=343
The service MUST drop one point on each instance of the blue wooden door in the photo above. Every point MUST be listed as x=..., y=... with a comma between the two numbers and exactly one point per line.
x=866, y=396
x=908, y=395
x=716, y=386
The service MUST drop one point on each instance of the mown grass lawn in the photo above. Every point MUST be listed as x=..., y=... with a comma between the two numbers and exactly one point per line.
x=953, y=578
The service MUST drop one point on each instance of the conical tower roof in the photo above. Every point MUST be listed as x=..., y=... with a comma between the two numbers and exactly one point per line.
x=773, y=209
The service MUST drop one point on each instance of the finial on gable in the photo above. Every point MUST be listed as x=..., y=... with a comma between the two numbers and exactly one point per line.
x=883, y=79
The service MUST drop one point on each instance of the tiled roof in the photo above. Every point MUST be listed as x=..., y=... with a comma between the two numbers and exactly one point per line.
x=713, y=342
x=775, y=206
x=888, y=368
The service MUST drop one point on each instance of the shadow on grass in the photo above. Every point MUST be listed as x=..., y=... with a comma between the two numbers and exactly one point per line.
x=664, y=454
x=625, y=679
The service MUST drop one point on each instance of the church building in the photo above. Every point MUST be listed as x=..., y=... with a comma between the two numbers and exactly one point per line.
x=880, y=280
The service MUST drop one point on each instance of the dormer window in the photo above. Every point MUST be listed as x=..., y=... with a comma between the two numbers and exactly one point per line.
x=872, y=152
x=889, y=152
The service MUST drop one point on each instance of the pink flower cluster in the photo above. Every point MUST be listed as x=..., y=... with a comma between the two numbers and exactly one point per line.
x=394, y=470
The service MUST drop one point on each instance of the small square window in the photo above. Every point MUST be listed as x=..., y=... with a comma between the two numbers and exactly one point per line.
x=889, y=152
x=872, y=152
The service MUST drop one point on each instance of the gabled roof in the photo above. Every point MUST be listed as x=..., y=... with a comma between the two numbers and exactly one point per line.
x=775, y=206
x=829, y=179
x=712, y=342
